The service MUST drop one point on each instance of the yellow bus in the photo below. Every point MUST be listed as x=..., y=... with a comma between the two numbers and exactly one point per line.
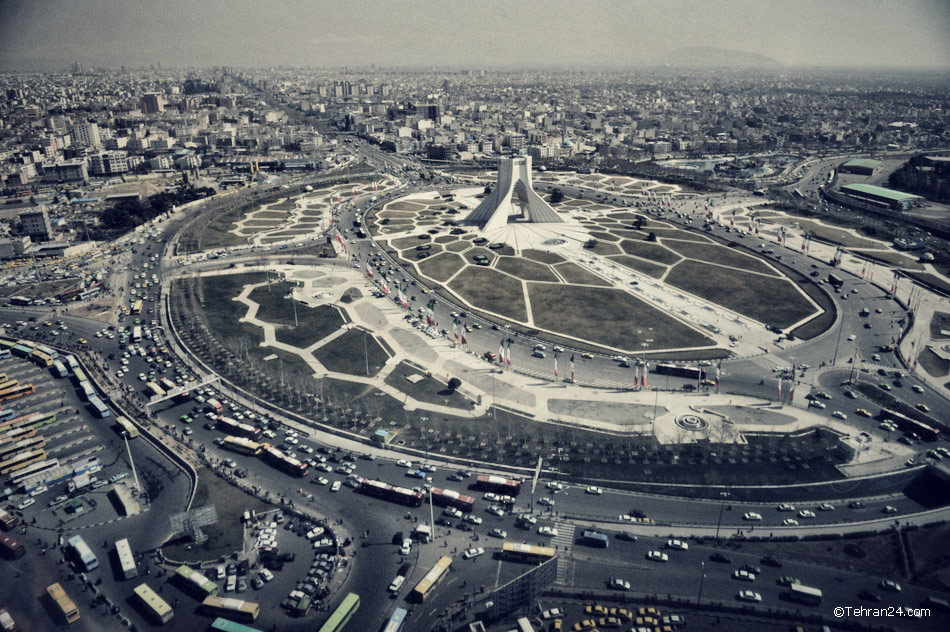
x=518, y=552
x=22, y=460
x=242, y=445
x=431, y=579
x=155, y=607
x=137, y=307
x=247, y=611
x=63, y=603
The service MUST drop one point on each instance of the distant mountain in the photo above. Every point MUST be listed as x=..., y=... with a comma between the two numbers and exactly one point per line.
x=711, y=57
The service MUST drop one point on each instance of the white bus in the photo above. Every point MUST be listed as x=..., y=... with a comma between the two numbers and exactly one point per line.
x=804, y=594
x=126, y=560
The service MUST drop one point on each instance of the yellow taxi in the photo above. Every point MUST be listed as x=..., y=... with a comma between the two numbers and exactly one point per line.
x=83, y=341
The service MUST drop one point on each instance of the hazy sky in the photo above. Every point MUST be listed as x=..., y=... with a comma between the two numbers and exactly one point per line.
x=468, y=33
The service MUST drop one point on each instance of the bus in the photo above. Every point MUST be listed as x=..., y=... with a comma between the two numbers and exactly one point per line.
x=595, y=539
x=213, y=405
x=10, y=450
x=192, y=580
x=221, y=624
x=835, y=280
x=498, y=484
x=79, y=376
x=431, y=579
x=6, y=414
x=284, y=462
x=137, y=307
x=167, y=384
x=38, y=471
x=154, y=389
x=14, y=435
x=906, y=424
x=449, y=498
x=246, y=611
x=395, y=622
x=7, y=520
x=242, y=445
x=22, y=460
x=395, y=494
x=59, y=369
x=342, y=615
x=123, y=553
x=136, y=333
x=16, y=392
x=154, y=606
x=235, y=428
x=518, y=552
x=86, y=560
x=524, y=625
x=804, y=594
x=679, y=371
x=41, y=359
x=10, y=548
x=126, y=427
x=63, y=603
x=99, y=408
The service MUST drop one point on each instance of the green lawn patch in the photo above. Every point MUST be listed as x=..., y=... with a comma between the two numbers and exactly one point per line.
x=441, y=266
x=471, y=254
x=609, y=317
x=603, y=236
x=276, y=308
x=491, y=291
x=542, y=255
x=352, y=352
x=649, y=250
x=603, y=248
x=723, y=255
x=654, y=270
x=933, y=364
x=410, y=242
x=405, y=206
x=573, y=273
x=769, y=300
x=429, y=390
x=525, y=269
x=939, y=322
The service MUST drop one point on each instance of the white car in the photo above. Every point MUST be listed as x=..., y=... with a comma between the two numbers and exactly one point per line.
x=826, y=507
x=786, y=507
x=406, y=547
x=752, y=516
x=677, y=545
x=549, y=531
x=594, y=490
x=496, y=511
x=806, y=513
x=839, y=415
x=473, y=552
x=322, y=481
x=336, y=486
x=26, y=502
x=472, y=519
x=555, y=485
x=748, y=595
x=498, y=533
x=658, y=556
x=619, y=584
x=452, y=512
x=743, y=576
x=547, y=502
x=790, y=522
x=404, y=463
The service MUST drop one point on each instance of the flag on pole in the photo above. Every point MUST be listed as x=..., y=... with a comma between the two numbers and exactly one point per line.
x=791, y=393
x=462, y=334
x=780, y=389
x=643, y=376
x=636, y=375
x=572, y=368
x=718, y=374
x=555, y=365
x=508, y=354
x=455, y=330
x=501, y=351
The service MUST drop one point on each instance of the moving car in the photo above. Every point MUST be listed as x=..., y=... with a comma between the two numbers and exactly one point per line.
x=748, y=595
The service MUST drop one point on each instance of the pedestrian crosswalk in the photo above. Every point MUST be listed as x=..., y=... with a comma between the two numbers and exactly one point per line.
x=563, y=542
x=876, y=368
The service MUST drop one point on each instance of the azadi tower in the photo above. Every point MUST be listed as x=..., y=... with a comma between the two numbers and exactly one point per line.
x=514, y=177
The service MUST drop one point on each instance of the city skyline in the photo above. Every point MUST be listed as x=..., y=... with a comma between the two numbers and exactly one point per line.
x=843, y=34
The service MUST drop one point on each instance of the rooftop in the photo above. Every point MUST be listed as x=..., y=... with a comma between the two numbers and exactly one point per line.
x=870, y=189
x=863, y=162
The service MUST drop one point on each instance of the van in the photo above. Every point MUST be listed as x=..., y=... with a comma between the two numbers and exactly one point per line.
x=232, y=583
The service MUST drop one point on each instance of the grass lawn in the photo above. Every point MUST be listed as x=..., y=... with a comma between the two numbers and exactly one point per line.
x=931, y=279
x=573, y=273
x=834, y=235
x=314, y=322
x=649, y=250
x=525, y=269
x=603, y=248
x=427, y=389
x=227, y=535
x=933, y=364
x=351, y=352
x=491, y=291
x=654, y=270
x=286, y=205
x=471, y=254
x=722, y=255
x=769, y=300
x=271, y=215
x=403, y=243
x=939, y=322
x=603, y=236
x=542, y=256
x=609, y=317
x=441, y=266
x=891, y=258
x=405, y=206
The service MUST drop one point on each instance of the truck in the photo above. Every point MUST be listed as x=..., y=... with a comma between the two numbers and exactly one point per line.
x=835, y=280
x=79, y=482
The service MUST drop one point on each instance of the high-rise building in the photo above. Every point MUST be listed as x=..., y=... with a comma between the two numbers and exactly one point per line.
x=153, y=103
x=108, y=162
x=431, y=111
x=36, y=224
x=85, y=134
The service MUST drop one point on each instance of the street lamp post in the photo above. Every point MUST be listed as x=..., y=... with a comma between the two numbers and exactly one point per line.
x=722, y=505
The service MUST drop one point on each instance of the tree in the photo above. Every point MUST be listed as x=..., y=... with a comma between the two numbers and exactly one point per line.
x=488, y=189
x=556, y=196
x=590, y=243
x=454, y=383
x=651, y=237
